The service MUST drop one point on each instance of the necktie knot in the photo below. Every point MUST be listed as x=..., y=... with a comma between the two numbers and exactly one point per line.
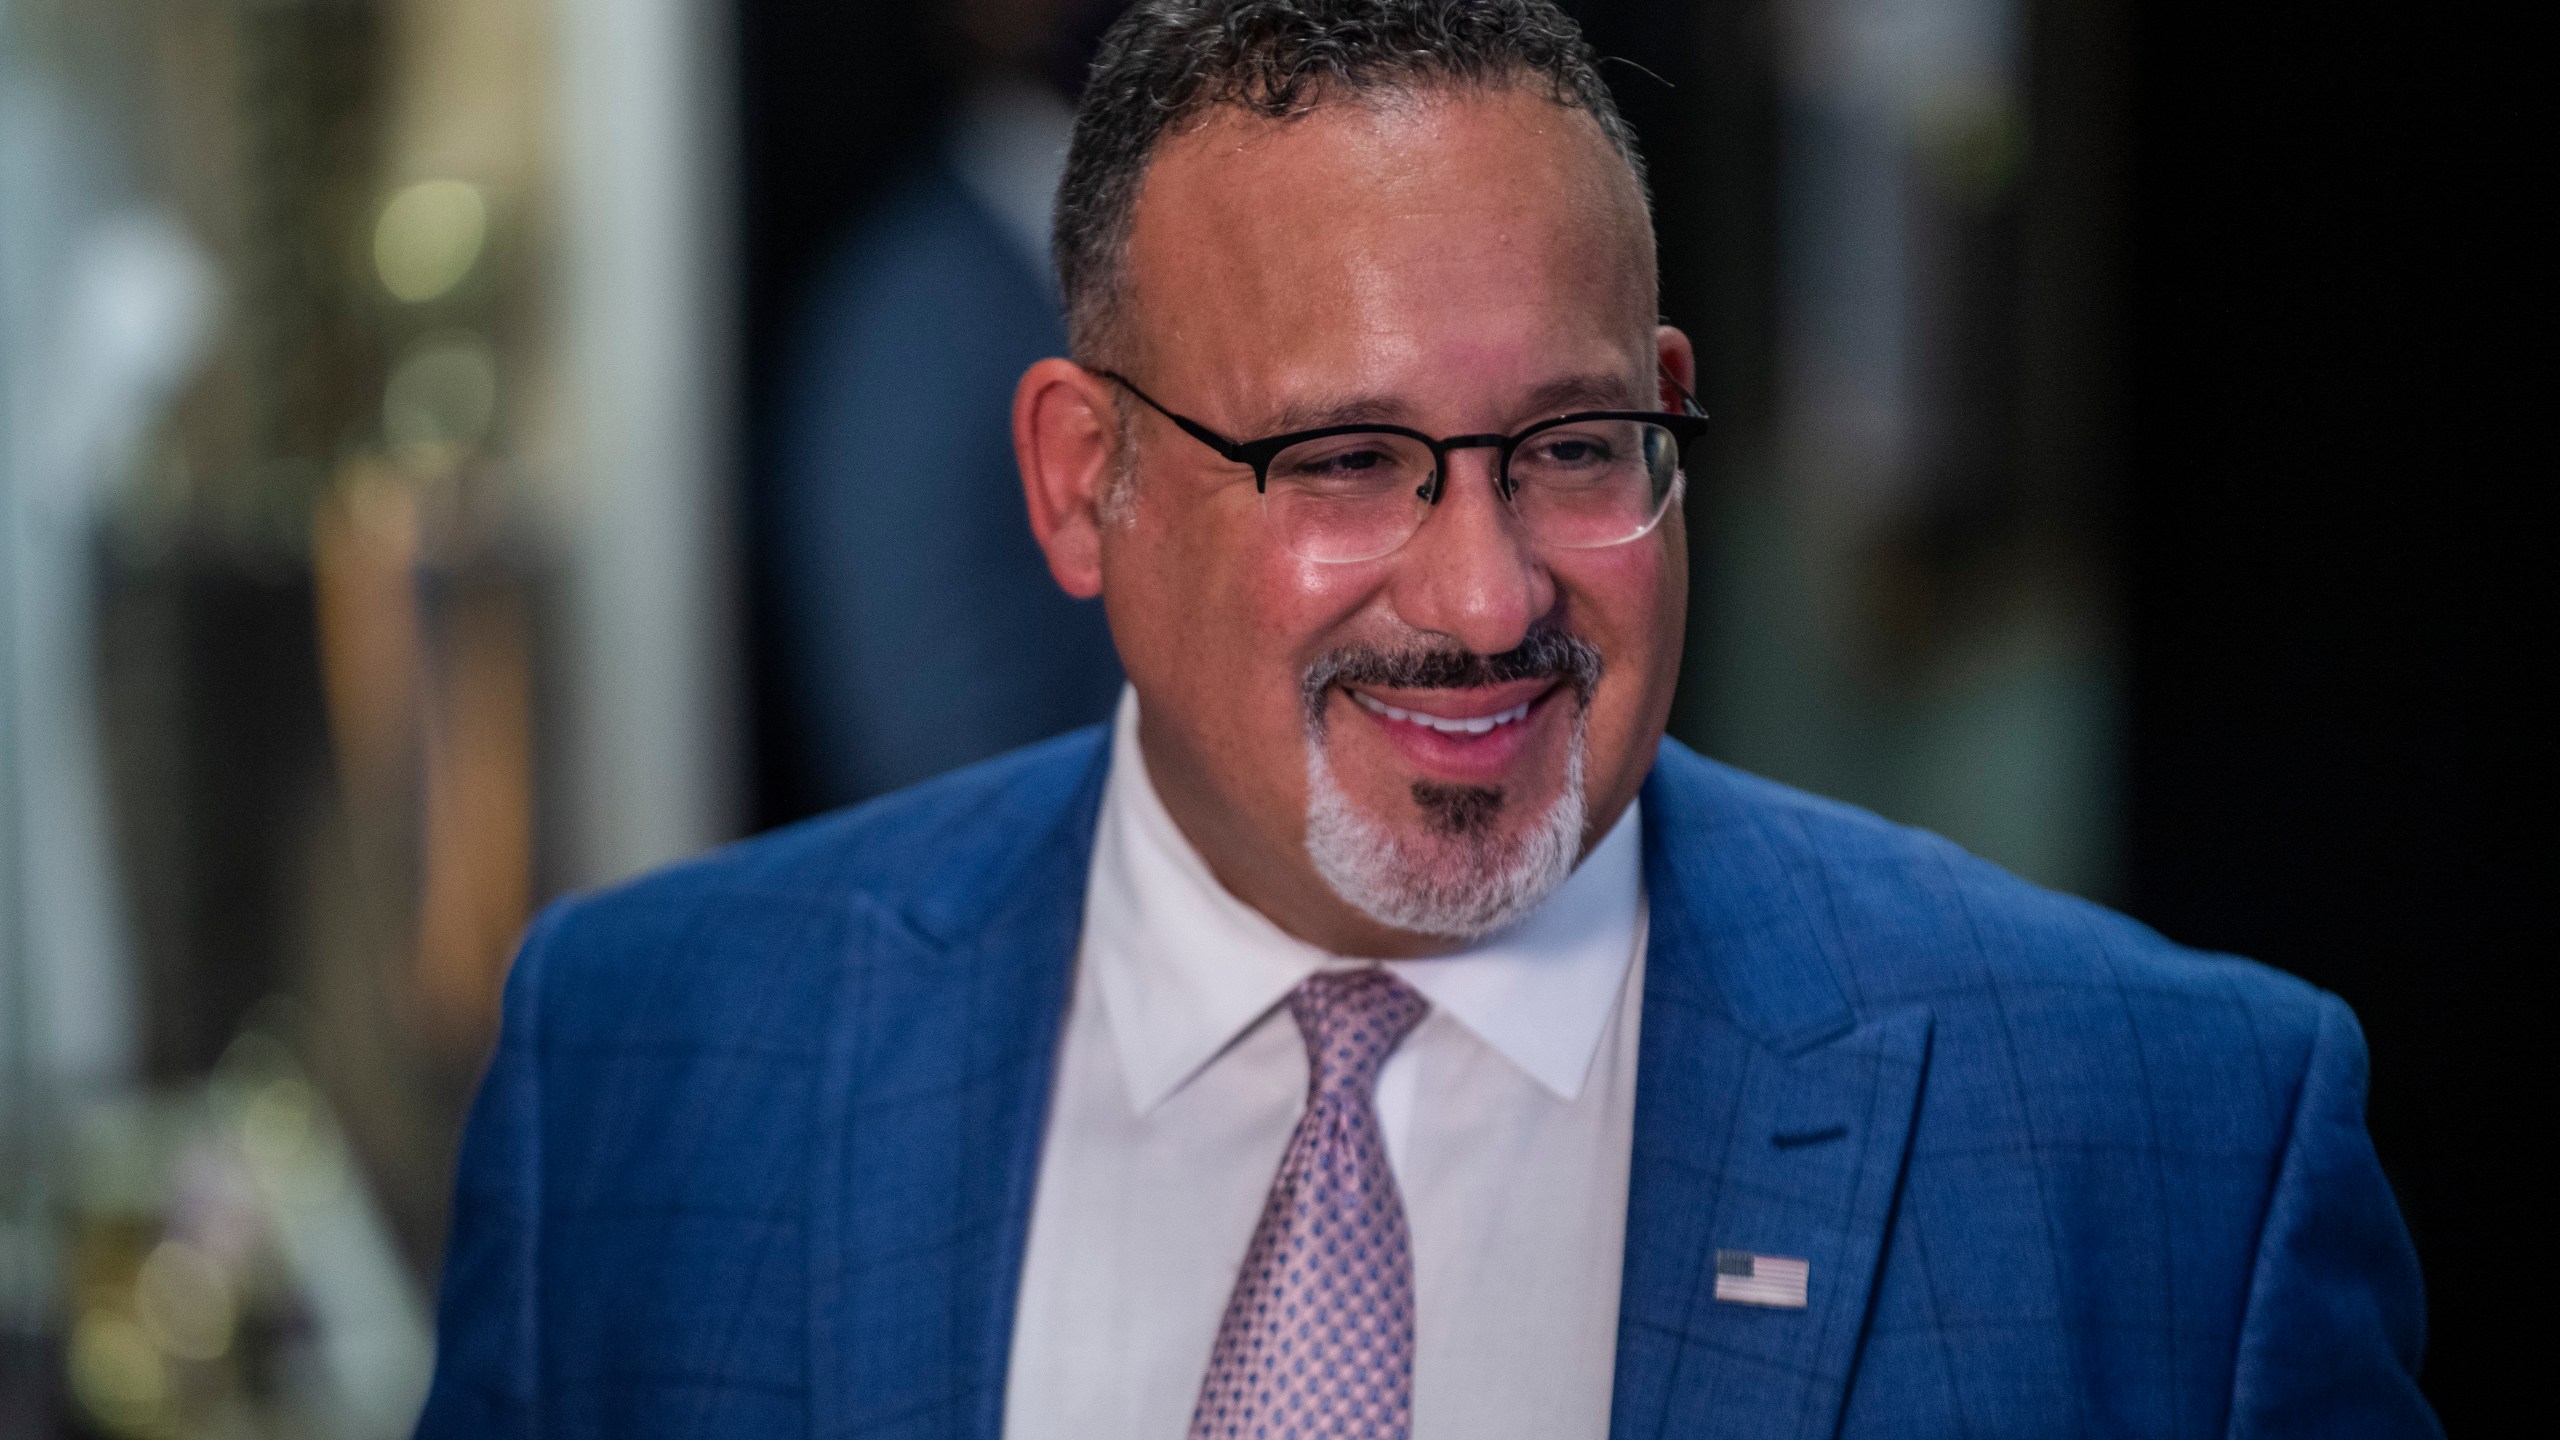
x=1351, y=1021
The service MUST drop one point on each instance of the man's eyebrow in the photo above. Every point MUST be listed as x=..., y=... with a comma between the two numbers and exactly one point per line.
x=1559, y=396
x=1583, y=392
x=1317, y=412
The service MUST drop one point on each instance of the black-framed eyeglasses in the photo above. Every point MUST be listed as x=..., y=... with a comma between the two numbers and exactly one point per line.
x=1342, y=493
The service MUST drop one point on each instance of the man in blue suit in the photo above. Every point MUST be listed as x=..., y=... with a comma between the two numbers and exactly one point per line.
x=1380, y=1029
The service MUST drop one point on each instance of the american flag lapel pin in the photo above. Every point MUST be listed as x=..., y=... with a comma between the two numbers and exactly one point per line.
x=1776, y=1281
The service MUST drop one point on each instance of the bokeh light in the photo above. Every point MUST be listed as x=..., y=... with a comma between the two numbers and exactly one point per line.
x=277, y=1124
x=117, y=1374
x=429, y=237
x=185, y=1302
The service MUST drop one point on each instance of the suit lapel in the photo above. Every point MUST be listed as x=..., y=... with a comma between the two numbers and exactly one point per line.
x=932, y=1105
x=1771, y=1118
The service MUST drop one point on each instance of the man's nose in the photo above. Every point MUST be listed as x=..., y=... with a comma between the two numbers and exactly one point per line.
x=1470, y=573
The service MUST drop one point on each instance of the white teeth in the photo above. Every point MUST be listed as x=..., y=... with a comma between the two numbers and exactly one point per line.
x=1474, y=725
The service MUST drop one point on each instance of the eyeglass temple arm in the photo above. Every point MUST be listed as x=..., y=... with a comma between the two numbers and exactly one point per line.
x=1688, y=402
x=1193, y=428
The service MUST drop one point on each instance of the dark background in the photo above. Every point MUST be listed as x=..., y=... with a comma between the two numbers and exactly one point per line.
x=2282, y=288
x=2323, y=552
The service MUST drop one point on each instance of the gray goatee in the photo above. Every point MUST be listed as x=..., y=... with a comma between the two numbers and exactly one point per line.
x=1462, y=878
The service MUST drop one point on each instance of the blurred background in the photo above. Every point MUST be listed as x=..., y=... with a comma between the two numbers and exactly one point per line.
x=439, y=470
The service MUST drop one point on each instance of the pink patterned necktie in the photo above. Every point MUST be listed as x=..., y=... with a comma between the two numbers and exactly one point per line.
x=1318, y=1337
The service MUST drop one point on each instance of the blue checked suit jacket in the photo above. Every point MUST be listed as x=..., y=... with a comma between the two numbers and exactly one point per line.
x=755, y=1156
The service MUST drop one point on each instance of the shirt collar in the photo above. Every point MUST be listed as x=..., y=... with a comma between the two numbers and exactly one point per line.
x=1184, y=967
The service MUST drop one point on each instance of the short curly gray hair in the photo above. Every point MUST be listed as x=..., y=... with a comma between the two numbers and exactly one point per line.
x=1165, y=62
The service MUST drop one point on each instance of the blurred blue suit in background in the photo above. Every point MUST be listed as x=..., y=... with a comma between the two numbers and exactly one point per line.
x=918, y=625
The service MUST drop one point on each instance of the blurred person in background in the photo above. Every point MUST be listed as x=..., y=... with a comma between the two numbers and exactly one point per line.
x=1267, y=1062
x=916, y=626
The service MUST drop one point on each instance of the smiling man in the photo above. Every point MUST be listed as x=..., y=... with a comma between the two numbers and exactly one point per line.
x=1408, y=641
x=1381, y=1030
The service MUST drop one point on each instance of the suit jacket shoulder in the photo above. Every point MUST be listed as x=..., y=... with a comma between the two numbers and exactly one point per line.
x=738, y=946
x=2134, y=1192
x=1899, y=916
x=737, y=1102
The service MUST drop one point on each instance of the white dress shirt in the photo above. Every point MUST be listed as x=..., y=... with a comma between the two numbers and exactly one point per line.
x=1508, y=1115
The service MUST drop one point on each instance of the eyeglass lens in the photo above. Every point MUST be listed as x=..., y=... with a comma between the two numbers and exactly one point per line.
x=1576, y=486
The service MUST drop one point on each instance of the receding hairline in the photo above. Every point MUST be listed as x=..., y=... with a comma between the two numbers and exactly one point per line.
x=1096, y=310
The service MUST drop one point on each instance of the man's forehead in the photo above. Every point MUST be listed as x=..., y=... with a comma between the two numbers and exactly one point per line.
x=1316, y=404
x=1478, y=218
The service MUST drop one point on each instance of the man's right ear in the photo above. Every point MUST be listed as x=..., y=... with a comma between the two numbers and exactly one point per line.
x=1066, y=439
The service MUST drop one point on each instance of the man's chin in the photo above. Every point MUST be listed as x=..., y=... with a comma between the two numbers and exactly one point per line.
x=1441, y=857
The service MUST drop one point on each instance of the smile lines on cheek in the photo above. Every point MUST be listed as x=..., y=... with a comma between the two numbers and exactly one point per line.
x=1478, y=725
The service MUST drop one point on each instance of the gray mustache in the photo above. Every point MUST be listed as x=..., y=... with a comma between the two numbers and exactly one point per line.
x=1544, y=654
